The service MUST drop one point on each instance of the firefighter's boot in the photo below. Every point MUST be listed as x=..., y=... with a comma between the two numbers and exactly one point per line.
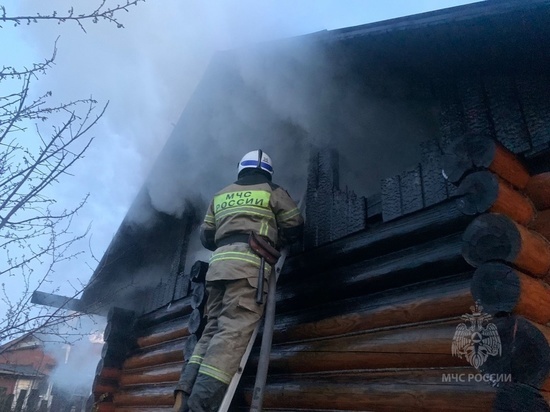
x=207, y=394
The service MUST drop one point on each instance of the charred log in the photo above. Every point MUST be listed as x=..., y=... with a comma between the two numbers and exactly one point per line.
x=198, y=295
x=518, y=397
x=476, y=152
x=493, y=237
x=500, y=288
x=198, y=271
x=439, y=299
x=434, y=259
x=411, y=230
x=174, y=310
x=525, y=352
x=484, y=192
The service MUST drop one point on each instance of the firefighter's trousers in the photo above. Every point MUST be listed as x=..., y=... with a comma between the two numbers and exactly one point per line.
x=232, y=314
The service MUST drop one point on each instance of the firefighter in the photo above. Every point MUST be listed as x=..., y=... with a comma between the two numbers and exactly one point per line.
x=252, y=204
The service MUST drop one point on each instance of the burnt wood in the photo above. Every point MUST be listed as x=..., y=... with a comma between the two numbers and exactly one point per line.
x=525, y=352
x=392, y=206
x=424, y=301
x=474, y=152
x=500, y=288
x=483, y=192
x=416, y=228
x=198, y=271
x=538, y=190
x=410, y=182
x=506, y=113
x=493, y=237
x=477, y=118
x=516, y=397
x=174, y=310
x=434, y=185
x=435, y=259
x=199, y=295
x=534, y=96
x=123, y=318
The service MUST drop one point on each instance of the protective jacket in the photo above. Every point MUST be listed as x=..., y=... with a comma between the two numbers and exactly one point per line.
x=251, y=204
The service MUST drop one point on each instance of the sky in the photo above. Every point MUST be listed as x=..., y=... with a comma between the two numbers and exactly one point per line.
x=147, y=72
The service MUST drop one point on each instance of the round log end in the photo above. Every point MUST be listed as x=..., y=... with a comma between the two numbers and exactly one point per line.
x=491, y=237
x=478, y=192
x=531, y=358
x=198, y=295
x=471, y=152
x=496, y=287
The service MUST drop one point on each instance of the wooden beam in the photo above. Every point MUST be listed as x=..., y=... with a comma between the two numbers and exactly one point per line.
x=425, y=301
x=146, y=395
x=168, y=352
x=419, y=227
x=500, y=288
x=153, y=374
x=475, y=152
x=425, y=345
x=404, y=391
x=173, y=310
x=434, y=259
x=484, y=192
x=492, y=237
x=163, y=332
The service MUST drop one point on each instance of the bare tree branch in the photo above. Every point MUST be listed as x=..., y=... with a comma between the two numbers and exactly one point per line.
x=101, y=12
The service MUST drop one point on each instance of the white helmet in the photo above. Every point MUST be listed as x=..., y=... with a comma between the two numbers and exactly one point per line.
x=256, y=159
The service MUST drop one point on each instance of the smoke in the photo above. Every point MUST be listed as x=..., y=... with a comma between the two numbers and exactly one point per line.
x=280, y=96
x=76, y=348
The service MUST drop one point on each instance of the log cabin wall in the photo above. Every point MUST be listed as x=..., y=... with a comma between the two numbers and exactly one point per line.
x=366, y=315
